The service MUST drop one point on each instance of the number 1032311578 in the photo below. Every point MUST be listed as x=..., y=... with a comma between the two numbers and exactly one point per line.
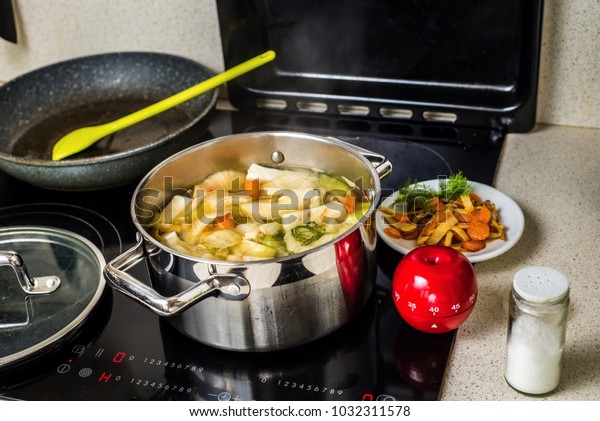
x=370, y=411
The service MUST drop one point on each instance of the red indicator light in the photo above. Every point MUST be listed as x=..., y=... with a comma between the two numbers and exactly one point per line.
x=119, y=356
x=367, y=397
x=105, y=377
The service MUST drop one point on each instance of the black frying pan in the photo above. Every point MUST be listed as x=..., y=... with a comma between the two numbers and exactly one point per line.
x=38, y=108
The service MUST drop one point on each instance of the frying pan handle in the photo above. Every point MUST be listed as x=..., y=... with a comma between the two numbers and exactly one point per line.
x=229, y=286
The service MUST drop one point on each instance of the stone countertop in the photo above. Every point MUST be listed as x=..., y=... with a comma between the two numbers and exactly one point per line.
x=553, y=173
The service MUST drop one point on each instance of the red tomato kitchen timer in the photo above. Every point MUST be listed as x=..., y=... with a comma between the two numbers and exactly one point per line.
x=434, y=288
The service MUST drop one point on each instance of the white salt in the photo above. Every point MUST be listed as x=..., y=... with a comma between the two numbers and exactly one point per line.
x=534, y=356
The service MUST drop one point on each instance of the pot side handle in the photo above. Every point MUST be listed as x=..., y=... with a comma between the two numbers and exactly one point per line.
x=382, y=165
x=229, y=286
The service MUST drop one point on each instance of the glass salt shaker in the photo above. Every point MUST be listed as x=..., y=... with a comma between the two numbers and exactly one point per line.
x=538, y=307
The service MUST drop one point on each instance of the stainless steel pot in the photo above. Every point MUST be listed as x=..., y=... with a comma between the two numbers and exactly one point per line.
x=262, y=305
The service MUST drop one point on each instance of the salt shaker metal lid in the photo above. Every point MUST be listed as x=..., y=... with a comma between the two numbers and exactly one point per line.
x=538, y=284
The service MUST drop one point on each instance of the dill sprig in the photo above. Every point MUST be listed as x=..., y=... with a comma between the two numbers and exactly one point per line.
x=307, y=233
x=454, y=186
x=415, y=195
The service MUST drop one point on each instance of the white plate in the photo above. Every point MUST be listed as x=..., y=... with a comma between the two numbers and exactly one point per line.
x=510, y=215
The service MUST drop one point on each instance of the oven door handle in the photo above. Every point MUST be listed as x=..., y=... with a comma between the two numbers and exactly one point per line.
x=226, y=285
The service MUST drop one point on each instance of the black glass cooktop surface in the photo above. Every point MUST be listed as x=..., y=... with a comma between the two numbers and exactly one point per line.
x=125, y=352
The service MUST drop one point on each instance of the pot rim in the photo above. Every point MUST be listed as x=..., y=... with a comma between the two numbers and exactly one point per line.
x=339, y=143
x=75, y=162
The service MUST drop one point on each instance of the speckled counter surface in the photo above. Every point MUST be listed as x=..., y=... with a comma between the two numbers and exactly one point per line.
x=553, y=173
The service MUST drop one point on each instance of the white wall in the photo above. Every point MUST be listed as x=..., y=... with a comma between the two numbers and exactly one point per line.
x=54, y=30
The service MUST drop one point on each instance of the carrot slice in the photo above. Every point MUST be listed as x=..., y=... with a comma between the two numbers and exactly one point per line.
x=463, y=217
x=474, y=197
x=252, y=187
x=473, y=245
x=350, y=203
x=430, y=227
x=483, y=214
x=401, y=217
x=392, y=232
x=436, y=205
x=478, y=230
x=224, y=222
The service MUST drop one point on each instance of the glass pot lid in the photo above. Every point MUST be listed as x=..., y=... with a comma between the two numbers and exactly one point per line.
x=50, y=280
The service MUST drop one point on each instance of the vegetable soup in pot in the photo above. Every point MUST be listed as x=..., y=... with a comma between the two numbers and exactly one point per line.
x=260, y=212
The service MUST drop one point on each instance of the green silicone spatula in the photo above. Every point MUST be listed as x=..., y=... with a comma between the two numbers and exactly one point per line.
x=83, y=138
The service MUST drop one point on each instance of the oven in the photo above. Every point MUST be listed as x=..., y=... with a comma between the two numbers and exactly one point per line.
x=433, y=87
